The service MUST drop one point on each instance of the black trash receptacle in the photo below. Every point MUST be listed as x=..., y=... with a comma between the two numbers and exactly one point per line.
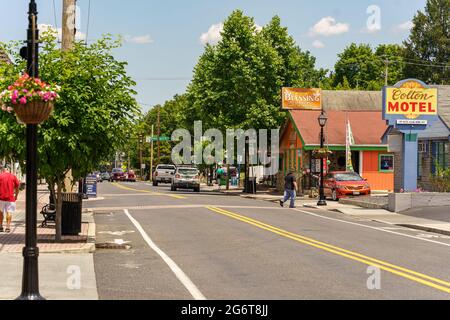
x=250, y=188
x=71, y=214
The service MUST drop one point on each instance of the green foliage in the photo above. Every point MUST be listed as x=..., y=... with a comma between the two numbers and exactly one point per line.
x=360, y=67
x=441, y=180
x=429, y=43
x=237, y=82
x=90, y=119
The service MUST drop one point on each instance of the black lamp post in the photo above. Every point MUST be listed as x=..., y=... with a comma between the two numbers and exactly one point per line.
x=322, y=122
x=30, y=278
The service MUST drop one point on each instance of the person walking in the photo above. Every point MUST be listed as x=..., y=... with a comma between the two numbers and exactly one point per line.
x=9, y=191
x=290, y=189
x=220, y=176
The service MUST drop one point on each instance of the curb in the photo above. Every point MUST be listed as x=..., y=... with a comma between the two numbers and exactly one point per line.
x=424, y=228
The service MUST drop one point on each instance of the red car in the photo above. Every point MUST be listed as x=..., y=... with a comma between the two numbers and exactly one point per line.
x=130, y=176
x=342, y=184
x=117, y=175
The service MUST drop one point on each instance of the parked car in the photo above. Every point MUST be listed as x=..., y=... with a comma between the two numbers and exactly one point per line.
x=163, y=174
x=97, y=174
x=117, y=174
x=105, y=176
x=130, y=176
x=186, y=178
x=342, y=184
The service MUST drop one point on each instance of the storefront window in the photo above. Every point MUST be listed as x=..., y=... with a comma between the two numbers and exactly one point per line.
x=386, y=163
x=439, y=151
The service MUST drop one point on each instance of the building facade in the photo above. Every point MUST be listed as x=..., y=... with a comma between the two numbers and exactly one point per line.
x=371, y=159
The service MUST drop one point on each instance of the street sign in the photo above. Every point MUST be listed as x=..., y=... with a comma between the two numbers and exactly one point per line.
x=155, y=139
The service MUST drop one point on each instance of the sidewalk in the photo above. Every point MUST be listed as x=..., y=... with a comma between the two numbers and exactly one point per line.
x=374, y=210
x=14, y=241
x=66, y=270
x=385, y=216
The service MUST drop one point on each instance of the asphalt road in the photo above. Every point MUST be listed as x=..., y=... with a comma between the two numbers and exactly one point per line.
x=210, y=246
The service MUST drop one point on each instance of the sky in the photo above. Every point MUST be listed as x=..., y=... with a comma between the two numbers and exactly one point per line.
x=164, y=39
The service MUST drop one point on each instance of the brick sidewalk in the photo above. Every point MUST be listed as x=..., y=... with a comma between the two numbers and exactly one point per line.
x=15, y=241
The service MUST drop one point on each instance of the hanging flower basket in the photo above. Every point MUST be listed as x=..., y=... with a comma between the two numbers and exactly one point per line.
x=31, y=99
x=34, y=112
x=322, y=153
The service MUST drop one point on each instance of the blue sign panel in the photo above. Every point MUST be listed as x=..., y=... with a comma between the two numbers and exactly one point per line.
x=90, y=186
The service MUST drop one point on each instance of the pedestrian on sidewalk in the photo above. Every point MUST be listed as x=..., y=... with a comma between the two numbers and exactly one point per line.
x=220, y=175
x=290, y=189
x=9, y=191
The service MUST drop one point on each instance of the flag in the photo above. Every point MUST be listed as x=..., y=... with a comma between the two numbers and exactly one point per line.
x=350, y=141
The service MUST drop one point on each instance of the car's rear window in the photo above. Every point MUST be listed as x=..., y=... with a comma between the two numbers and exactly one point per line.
x=188, y=171
x=117, y=171
x=348, y=177
x=166, y=168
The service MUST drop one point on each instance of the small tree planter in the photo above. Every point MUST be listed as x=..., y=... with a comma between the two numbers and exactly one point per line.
x=35, y=112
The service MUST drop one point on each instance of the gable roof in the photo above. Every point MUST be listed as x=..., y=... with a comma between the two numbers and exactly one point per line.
x=367, y=127
x=339, y=100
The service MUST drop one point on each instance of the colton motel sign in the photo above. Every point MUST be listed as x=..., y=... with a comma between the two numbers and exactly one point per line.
x=410, y=107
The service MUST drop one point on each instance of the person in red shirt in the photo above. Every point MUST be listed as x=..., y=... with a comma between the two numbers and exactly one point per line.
x=9, y=191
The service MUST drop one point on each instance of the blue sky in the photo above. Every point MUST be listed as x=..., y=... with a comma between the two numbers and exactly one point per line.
x=163, y=38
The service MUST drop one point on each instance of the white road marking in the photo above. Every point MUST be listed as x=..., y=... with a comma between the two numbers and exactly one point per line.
x=120, y=242
x=116, y=233
x=184, y=279
x=374, y=228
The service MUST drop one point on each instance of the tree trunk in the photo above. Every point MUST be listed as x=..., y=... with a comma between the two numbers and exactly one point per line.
x=59, y=203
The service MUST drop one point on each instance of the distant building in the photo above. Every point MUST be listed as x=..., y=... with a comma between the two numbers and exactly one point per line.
x=4, y=57
x=300, y=136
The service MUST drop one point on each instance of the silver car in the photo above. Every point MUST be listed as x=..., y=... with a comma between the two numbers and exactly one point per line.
x=163, y=174
x=186, y=178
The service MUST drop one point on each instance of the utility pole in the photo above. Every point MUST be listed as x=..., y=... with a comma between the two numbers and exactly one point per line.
x=140, y=154
x=159, y=134
x=68, y=24
x=386, y=73
x=151, y=156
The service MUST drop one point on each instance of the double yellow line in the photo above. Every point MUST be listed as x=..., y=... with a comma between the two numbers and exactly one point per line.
x=397, y=270
x=149, y=192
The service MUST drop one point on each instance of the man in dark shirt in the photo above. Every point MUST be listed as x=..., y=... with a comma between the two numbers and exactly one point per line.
x=290, y=189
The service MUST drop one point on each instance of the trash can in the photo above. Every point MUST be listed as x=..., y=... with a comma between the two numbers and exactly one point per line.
x=250, y=188
x=72, y=207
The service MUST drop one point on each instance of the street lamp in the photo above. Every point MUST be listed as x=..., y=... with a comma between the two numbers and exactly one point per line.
x=322, y=123
x=30, y=278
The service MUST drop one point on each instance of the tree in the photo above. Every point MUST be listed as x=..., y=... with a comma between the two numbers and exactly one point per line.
x=91, y=118
x=361, y=67
x=427, y=49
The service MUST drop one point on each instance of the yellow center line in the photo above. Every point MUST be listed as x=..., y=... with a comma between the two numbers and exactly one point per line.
x=397, y=270
x=149, y=192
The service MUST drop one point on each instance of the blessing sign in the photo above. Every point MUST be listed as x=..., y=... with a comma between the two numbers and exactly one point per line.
x=410, y=105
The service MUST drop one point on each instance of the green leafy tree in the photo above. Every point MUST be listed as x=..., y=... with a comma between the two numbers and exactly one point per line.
x=91, y=118
x=427, y=49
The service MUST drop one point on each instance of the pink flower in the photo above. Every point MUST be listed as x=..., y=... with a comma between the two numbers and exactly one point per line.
x=25, y=91
x=14, y=101
x=23, y=100
x=10, y=88
x=9, y=109
x=15, y=95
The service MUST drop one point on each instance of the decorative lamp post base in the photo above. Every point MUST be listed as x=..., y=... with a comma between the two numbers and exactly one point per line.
x=322, y=203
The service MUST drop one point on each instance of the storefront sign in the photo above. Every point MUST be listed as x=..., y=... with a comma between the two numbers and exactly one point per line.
x=410, y=105
x=90, y=186
x=301, y=99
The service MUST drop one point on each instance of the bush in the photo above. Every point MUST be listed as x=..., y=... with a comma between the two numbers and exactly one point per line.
x=441, y=181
